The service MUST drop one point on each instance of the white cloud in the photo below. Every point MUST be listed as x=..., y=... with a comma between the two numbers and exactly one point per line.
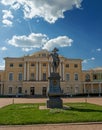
x=98, y=49
x=39, y=41
x=7, y=22
x=7, y=14
x=93, y=58
x=2, y=67
x=88, y=60
x=61, y=41
x=3, y=48
x=49, y=10
x=33, y=40
x=7, y=17
x=85, y=61
x=27, y=49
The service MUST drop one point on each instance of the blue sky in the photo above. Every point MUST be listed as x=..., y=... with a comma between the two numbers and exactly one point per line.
x=74, y=26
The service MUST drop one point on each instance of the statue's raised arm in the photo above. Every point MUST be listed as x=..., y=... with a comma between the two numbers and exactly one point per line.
x=56, y=60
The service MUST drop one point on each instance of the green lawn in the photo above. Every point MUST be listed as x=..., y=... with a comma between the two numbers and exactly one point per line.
x=17, y=114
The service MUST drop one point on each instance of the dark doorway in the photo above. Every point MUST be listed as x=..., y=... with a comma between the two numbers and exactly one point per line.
x=32, y=91
x=44, y=90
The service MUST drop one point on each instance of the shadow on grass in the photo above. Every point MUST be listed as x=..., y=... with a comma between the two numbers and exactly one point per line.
x=84, y=110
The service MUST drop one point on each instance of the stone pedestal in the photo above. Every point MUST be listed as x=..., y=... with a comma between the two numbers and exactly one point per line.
x=55, y=102
x=54, y=91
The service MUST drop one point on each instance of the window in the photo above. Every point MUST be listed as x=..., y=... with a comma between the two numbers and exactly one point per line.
x=10, y=76
x=95, y=77
x=76, y=77
x=11, y=64
x=19, y=89
x=10, y=90
x=32, y=64
x=75, y=65
x=44, y=76
x=20, y=76
x=76, y=89
x=87, y=77
x=44, y=64
x=67, y=77
x=44, y=55
x=20, y=65
x=67, y=65
x=32, y=76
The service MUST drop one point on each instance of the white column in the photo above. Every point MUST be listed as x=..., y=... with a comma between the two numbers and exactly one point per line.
x=28, y=71
x=39, y=70
x=25, y=71
x=36, y=70
x=63, y=71
x=92, y=88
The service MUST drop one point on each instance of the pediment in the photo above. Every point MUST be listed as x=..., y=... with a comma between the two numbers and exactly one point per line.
x=42, y=53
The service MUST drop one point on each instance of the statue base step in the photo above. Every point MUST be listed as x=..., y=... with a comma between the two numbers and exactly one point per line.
x=55, y=102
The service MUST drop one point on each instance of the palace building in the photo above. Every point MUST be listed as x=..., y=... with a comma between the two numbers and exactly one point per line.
x=28, y=76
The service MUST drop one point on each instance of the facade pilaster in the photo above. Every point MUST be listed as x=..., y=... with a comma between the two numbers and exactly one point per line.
x=84, y=88
x=27, y=70
x=60, y=69
x=63, y=71
x=36, y=70
x=39, y=70
x=48, y=69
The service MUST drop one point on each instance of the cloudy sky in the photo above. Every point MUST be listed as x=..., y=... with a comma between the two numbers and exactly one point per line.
x=73, y=26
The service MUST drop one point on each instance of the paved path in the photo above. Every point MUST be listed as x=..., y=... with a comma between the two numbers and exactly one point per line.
x=7, y=101
x=55, y=127
x=94, y=126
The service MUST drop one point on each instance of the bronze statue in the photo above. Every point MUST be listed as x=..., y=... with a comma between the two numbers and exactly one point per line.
x=55, y=58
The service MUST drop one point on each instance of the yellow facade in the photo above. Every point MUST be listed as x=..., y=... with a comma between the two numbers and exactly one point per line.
x=28, y=76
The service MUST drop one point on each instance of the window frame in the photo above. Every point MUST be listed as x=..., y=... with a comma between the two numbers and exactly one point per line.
x=11, y=76
x=76, y=77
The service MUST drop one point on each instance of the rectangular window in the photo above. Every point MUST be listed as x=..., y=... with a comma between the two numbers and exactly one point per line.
x=67, y=65
x=19, y=89
x=10, y=76
x=44, y=76
x=20, y=65
x=11, y=64
x=10, y=90
x=75, y=65
x=67, y=77
x=76, y=77
x=32, y=64
x=20, y=77
x=32, y=76
x=44, y=64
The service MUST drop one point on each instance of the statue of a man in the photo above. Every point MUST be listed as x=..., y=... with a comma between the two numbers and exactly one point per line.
x=56, y=59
